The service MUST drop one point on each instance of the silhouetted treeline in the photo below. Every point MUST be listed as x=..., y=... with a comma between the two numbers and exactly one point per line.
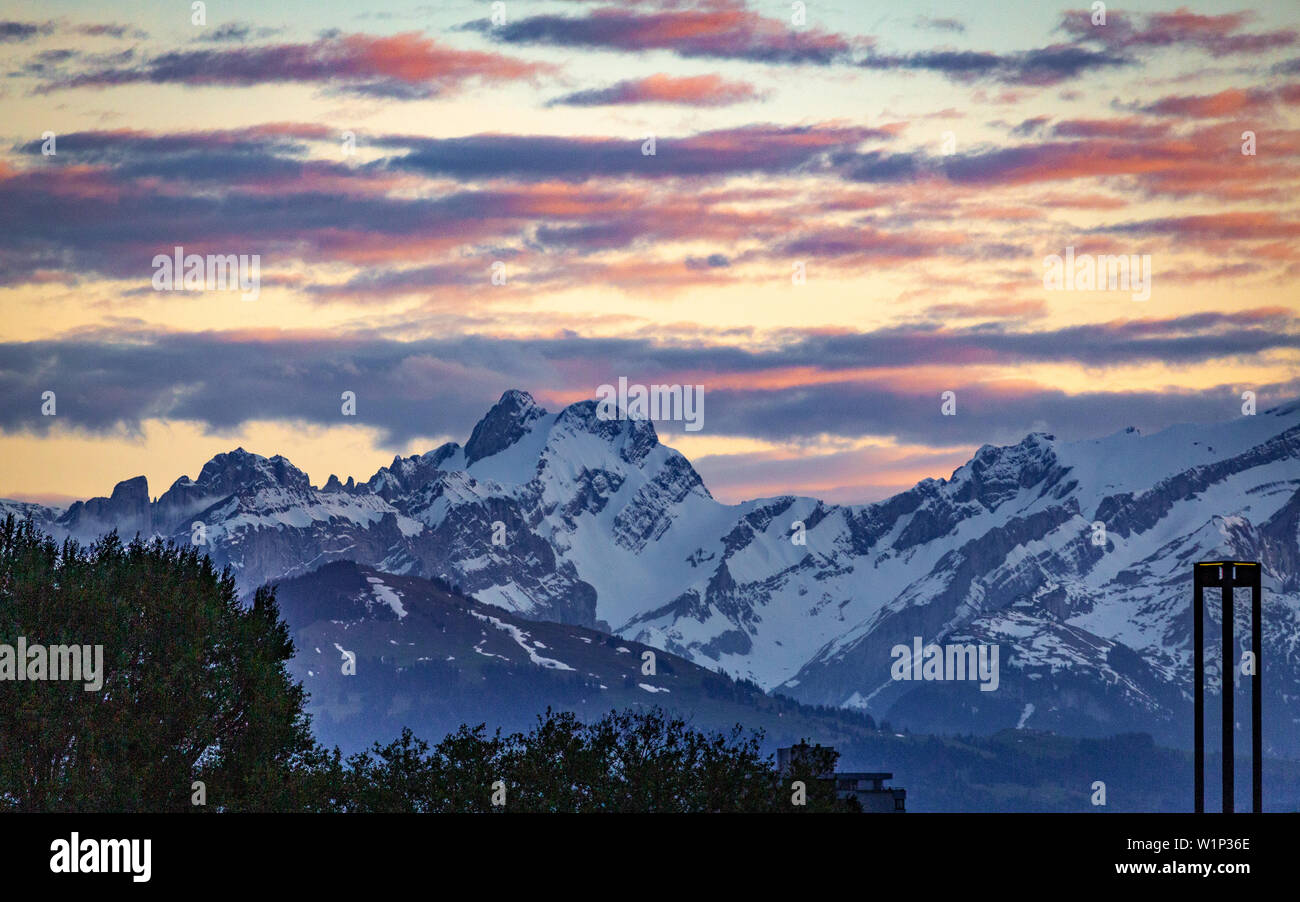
x=625, y=761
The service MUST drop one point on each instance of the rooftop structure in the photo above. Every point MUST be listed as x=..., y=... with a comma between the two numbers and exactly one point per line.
x=867, y=787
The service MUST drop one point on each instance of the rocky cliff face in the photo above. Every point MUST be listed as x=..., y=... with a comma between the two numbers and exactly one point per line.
x=1073, y=558
x=126, y=510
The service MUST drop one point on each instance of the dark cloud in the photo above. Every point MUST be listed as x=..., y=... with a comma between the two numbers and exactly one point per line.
x=1142, y=153
x=986, y=413
x=428, y=387
x=932, y=24
x=1218, y=227
x=1041, y=66
x=1130, y=128
x=384, y=282
x=726, y=31
x=595, y=236
x=109, y=201
x=864, y=244
x=11, y=32
x=1227, y=103
x=111, y=30
x=757, y=148
x=130, y=148
x=1031, y=127
x=98, y=226
x=1217, y=35
x=401, y=65
x=712, y=261
x=237, y=33
x=698, y=91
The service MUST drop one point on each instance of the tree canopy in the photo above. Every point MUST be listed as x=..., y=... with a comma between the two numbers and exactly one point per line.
x=194, y=685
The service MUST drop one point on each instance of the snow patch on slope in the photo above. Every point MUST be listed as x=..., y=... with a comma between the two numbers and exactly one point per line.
x=521, y=638
x=387, y=595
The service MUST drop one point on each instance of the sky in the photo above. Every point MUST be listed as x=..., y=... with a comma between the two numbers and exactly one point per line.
x=828, y=215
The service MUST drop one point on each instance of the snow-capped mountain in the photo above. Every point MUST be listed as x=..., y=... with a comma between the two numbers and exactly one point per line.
x=423, y=656
x=569, y=517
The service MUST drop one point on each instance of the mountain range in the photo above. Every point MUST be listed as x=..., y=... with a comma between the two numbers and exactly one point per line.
x=1074, y=558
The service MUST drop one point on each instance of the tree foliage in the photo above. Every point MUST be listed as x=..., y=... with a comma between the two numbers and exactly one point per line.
x=626, y=761
x=194, y=683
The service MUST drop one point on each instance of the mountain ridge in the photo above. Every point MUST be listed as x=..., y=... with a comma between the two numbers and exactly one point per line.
x=572, y=518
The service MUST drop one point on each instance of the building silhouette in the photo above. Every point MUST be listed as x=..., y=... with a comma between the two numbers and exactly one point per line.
x=867, y=787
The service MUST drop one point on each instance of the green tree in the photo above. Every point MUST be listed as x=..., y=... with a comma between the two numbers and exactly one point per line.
x=194, y=683
x=626, y=761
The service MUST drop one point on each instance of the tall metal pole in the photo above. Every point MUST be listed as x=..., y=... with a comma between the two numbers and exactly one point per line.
x=1229, y=575
x=1228, y=684
x=1198, y=667
x=1257, y=691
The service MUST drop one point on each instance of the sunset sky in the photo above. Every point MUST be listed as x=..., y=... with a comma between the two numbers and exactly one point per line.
x=916, y=161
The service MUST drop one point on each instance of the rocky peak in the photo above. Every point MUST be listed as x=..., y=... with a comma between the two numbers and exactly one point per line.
x=239, y=469
x=503, y=425
x=634, y=439
x=996, y=473
x=134, y=491
x=127, y=509
x=408, y=474
x=333, y=485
